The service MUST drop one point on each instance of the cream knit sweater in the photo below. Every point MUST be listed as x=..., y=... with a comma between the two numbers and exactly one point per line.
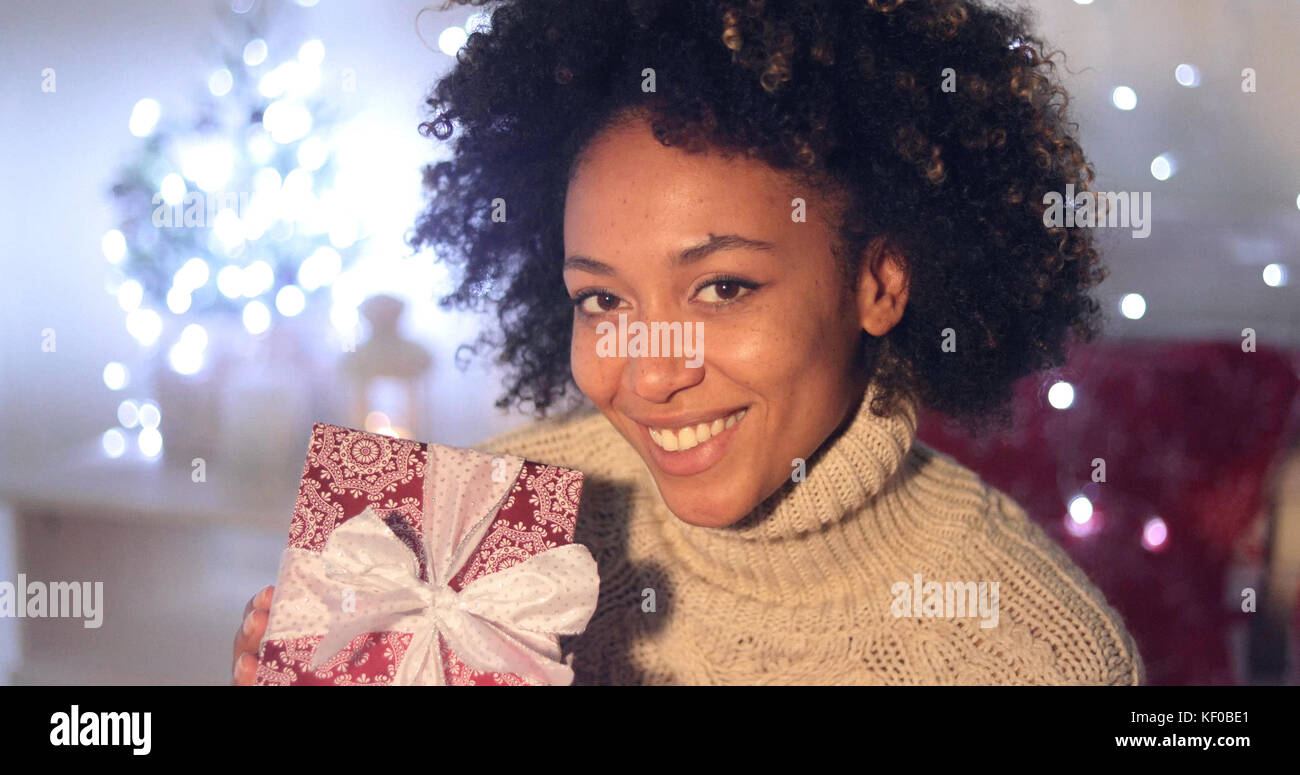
x=799, y=591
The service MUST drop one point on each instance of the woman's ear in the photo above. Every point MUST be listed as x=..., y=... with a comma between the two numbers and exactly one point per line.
x=882, y=287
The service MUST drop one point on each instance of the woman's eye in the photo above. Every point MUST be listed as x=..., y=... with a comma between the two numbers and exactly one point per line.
x=596, y=303
x=722, y=291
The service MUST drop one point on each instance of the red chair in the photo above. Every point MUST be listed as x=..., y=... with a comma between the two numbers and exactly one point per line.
x=1188, y=433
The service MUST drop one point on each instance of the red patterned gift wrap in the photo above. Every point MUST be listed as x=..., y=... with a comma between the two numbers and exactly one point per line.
x=421, y=564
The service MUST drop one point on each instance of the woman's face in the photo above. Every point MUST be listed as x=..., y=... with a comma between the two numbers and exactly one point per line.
x=711, y=244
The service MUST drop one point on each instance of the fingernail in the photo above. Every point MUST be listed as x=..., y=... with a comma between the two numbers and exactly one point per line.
x=248, y=624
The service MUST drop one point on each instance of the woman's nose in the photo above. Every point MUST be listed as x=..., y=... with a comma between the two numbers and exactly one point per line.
x=673, y=362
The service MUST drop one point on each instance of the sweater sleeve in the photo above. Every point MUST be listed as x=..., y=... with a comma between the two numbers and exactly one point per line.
x=1106, y=653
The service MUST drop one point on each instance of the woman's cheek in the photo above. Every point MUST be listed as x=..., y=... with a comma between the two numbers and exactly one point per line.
x=765, y=348
x=590, y=372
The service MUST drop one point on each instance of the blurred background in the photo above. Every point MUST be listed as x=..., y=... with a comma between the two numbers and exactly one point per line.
x=202, y=250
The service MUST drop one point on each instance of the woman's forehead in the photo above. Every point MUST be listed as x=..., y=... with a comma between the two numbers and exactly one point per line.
x=627, y=179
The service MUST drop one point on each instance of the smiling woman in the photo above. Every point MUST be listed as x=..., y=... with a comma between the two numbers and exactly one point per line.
x=850, y=240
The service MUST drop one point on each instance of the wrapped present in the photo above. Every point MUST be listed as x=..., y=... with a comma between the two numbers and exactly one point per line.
x=421, y=564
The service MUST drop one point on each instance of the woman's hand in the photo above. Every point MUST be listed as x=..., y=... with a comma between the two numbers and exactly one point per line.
x=249, y=636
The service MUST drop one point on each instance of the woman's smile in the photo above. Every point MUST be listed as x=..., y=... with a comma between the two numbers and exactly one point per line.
x=690, y=445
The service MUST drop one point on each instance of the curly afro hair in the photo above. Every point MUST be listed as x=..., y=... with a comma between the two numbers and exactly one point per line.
x=949, y=165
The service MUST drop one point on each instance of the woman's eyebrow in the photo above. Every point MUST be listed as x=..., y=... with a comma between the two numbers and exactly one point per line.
x=587, y=265
x=692, y=254
x=718, y=242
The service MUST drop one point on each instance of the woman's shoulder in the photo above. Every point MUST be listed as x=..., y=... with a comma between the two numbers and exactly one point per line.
x=581, y=439
x=1042, y=588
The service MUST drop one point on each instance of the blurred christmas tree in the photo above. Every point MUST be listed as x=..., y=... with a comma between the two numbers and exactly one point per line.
x=229, y=213
x=232, y=211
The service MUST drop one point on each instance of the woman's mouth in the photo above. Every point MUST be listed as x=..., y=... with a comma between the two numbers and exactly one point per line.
x=684, y=438
x=682, y=450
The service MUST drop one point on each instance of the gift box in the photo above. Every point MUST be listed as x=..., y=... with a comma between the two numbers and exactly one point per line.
x=421, y=564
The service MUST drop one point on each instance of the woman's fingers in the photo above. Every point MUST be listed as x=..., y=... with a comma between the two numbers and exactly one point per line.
x=245, y=670
x=253, y=624
x=249, y=636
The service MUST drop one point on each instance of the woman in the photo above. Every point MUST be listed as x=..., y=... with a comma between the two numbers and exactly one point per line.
x=827, y=214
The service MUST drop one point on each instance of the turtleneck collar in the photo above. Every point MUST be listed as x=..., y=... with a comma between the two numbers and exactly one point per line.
x=851, y=466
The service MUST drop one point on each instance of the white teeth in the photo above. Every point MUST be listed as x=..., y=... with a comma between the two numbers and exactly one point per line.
x=691, y=436
x=668, y=440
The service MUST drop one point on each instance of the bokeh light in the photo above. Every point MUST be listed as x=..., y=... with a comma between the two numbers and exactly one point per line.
x=1124, y=98
x=1133, y=306
x=114, y=246
x=451, y=40
x=255, y=52
x=1162, y=167
x=150, y=442
x=144, y=117
x=128, y=413
x=1187, y=75
x=290, y=300
x=219, y=82
x=113, y=442
x=1061, y=395
x=1155, y=534
x=116, y=376
x=257, y=318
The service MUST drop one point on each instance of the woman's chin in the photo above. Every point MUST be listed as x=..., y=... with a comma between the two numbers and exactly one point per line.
x=692, y=516
x=714, y=510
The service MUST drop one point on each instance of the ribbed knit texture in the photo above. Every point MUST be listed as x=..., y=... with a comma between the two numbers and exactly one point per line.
x=799, y=591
